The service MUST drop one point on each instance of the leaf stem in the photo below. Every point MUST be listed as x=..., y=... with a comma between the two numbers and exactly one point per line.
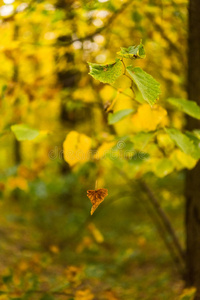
x=125, y=74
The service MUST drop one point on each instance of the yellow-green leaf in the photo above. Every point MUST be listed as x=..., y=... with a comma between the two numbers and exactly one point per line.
x=187, y=106
x=132, y=52
x=24, y=133
x=106, y=73
x=187, y=143
x=119, y=115
x=147, y=85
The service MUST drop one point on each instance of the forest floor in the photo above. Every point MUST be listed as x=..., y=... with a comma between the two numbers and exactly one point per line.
x=115, y=255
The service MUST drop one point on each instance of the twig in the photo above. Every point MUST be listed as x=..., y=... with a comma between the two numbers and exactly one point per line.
x=125, y=74
x=161, y=230
x=159, y=28
x=99, y=30
x=163, y=217
x=161, y=214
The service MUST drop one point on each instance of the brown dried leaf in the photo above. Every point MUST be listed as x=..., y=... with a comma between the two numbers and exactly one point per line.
x=96, y=197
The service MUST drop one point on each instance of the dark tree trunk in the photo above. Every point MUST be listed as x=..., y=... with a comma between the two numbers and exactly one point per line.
x=192, y=190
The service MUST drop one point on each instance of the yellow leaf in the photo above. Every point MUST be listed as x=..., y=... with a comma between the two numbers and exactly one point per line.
x=148, y=118
x=54, y=249
x=96, y=233
x=188, y=294
x=76, y=148
x=104, y=149
x=18, y=182
x=84, y=295
x=165, y=142
x=182, y=160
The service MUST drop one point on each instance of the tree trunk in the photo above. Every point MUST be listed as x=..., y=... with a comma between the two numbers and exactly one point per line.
x=192, y=187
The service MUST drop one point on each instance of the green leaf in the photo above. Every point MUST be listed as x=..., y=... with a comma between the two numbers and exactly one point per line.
x=106, y=73
x=132, y=52
x=119, y=115
x=147, y=85
x=197, y=133
x=141, y=139
x=24, y=132
x=186, y=143
x=187, y=106
x=163, y=167
x=196, y=141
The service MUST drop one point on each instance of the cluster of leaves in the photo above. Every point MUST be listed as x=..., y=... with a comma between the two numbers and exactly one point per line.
x=150, y=122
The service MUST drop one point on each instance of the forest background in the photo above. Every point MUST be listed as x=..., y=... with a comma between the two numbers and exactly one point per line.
x=50, y=246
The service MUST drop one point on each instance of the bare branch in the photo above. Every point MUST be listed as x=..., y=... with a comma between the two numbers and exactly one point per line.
x=163, y=217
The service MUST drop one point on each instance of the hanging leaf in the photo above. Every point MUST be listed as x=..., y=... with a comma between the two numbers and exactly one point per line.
x=96, y=197
x=185, y=142
x=106, y=73
x=132, y=52
x=147, y=85
x=24, y=133
x=119, y=115
x=187, y=106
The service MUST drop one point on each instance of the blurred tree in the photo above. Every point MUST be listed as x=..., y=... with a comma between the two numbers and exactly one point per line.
x=192, y=190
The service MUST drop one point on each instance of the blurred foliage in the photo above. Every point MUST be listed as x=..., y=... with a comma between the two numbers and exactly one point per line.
x=51, y=248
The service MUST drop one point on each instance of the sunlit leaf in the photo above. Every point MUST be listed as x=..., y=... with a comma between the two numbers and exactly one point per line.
x=106, y=73
x=147, y=85
x=181, y=160
x=103, y=150
x=119, y=115
x=76, y=148
x=187, y=106
x=24, y=133
x=85, y=294
x=132, y=52
x=188, y=294
x=148, y=118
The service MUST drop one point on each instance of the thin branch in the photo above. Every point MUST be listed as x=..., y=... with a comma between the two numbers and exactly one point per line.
x=159, y=28
x=99, y=30
x=163, y=217
x=121, y=92
x=161, y=230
